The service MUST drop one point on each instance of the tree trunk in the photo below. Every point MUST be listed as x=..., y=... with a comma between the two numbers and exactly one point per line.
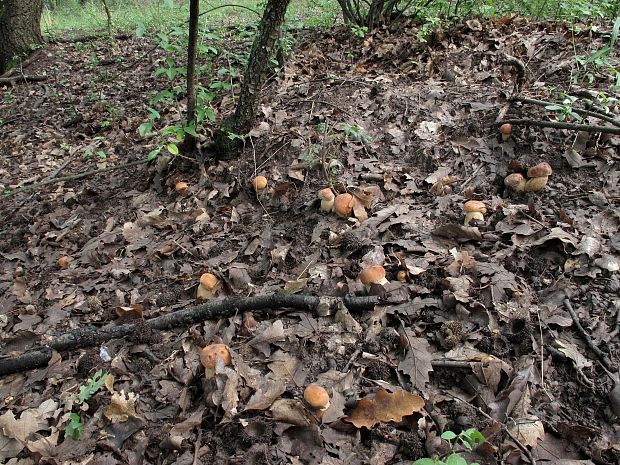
x=253, y=79
x=189, y=144
x=20, y=29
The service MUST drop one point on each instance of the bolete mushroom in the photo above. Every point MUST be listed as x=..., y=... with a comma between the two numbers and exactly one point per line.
x=374, y=274
x=474, y=210
x=538, y=174
x=515, y=181
x=506, y=130
x=343, y=205
x=259, y=183
x=210, y=354
x=316, y=397
x=327, y=199
x=208, y=287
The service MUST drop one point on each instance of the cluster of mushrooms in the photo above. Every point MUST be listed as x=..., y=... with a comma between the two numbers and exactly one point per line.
x=537, y=179
x=315, y=396
x=341, y=204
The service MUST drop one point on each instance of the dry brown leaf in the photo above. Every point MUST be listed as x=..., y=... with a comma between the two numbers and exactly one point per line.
x=528, y=430
x=385, y=407
x=121, y=407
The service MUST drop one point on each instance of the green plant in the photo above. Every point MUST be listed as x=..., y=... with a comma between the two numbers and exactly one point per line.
x=467, y=439
x=565, y=109
x=92, y=386
x=354, y=132
x=359, y=31
x=75, y=428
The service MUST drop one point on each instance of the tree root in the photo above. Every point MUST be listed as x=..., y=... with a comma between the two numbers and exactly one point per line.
x=89, y=337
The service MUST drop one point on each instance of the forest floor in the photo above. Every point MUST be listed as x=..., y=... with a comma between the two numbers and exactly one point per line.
x=477, y=326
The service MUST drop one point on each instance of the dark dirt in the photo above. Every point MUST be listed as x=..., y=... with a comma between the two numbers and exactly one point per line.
x=476, y=325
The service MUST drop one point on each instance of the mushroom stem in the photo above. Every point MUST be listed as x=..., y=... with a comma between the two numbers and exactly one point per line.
x=473, y=216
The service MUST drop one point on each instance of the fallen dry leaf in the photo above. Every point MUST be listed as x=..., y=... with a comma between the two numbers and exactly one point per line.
x=385, y=407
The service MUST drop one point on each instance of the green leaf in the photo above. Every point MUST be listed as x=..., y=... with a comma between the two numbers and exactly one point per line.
x=455, y=459
x=153, y=154
x=140, y=29
x=173, y=149
x=74, y=428
x=191, y=130
x=448, y=435
x=145, y=128
x=427, y=461
x=92, y=386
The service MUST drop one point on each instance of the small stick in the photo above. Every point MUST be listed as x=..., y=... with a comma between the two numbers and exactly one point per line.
x=561, y=125
x=579, y=111
x=74, y=177
x=586, y=337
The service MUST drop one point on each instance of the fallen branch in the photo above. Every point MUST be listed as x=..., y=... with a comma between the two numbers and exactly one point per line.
x=579, y=111
x=89, y=38
x=23, y=64
x=562, y=125
x=73, y=177
x=10, y=81
x=89, y=337
x=586, y=337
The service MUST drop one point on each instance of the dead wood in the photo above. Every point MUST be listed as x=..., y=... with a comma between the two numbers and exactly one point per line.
x=562, y=125
x=10, y=81
x=605, y=117
x=89, y=38
x=85, y=174
x=92, y=336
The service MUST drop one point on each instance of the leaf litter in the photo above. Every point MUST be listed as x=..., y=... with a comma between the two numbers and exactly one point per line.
x=472, y=329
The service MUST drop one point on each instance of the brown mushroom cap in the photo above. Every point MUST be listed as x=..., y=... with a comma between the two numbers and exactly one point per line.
x=180, y=186
x=63, y=261
x=515, y=181
x=209, y=281
x=316, y=396
x=343, y=205
x=506, y=128
x=537, y=171
x=259, y=183
x=475, y=206
x=326, y=194
x=374, y=274
x=210, y=354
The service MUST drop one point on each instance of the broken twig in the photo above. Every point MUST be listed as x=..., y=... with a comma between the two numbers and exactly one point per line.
x=89, y=337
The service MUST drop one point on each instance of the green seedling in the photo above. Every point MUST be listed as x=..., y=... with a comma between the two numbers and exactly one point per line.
x=468, y=439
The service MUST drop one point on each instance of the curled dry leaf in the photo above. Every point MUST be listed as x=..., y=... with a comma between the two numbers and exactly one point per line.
x=385, y=407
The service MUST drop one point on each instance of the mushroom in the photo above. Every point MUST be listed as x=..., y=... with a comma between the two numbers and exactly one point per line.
x=474, y=210
x=316, y=397
x=209, y=355
x=506, y=130
x=209, y=285
x=180, y=186
x=343, y=205
x=374, y=274
x=515, y=181
x=259, y=183
x=63, y=261
x=327, y=199
x=402, y=276
x=538, y=175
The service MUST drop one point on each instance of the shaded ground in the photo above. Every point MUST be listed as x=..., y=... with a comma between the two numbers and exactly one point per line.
x=474, y=319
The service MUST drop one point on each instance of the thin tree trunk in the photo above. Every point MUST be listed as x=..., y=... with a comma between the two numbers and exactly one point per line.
x=20, y=29
x=253, y=79
x=189, y=144
x=109, y=16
